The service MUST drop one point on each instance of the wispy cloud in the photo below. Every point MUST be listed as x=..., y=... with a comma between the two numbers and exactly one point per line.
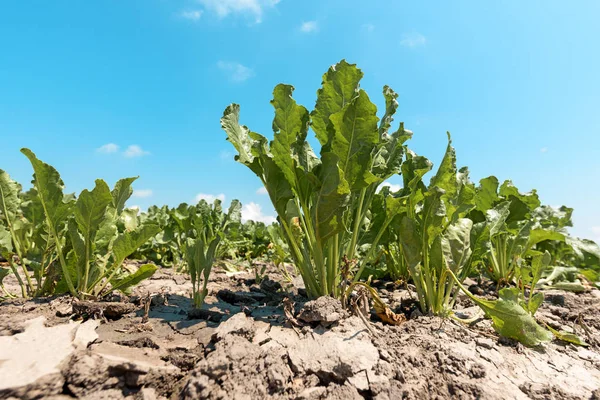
x=192, y=15
x=253, y=211
x=262, y=191
x=108, y=148
x=544, y=150
x=235, y=71
x=309, y=27
x=210, y=198
x=142, y=193
x=249, y=8
x=135, y=151
x=413, y=40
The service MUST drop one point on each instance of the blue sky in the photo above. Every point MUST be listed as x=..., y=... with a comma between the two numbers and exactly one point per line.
x=113, y=89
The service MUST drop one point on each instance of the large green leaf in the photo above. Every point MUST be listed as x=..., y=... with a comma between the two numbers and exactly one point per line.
x=121, y=193
x=90, y=209
x=496, y=218
x=410, y=241
x=340, y=85
x=238, y=135
x=456, y=244
x=143, y=272
x=487, y=193
x=290, y=124
x=331, y=198
x=355, y=136
x=128, y=242
x=509, y=318
x=9, y=198
x=46, y=180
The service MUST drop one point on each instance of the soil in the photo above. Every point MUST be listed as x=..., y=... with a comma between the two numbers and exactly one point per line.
x=267, y=341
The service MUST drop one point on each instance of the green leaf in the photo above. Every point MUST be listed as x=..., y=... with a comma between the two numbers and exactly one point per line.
x=291, y=127
x=130, y=219
x=121, y=193
x=531, y=199
x=567, y=337
x=50, y=191
x=354, y=138
x=487, y=194
x=539, y=235
x=332, y=198
x=143, y=272
x=509, y=318
x=239, y=136
x=445, y=178
x=410, y=241
x=340, y=85
x=391, y=105
x=456, y=244
x=496, y=218
x=535, y=302
x=128, y=242
x=9, y=198
x=4, y=272
x=6, y=246
x=90, y=209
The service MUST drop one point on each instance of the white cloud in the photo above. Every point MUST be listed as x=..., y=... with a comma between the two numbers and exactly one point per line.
x=192, y=15
x=393, y=187
x=413, y=40
x=262, y=190
x=309, y=26
x=210, y=198
x=142, y=193
x=236, y=71
x=108, y=148
x=134, y=207
x=251, y=8
x=253, y=211
x=368, y=27
x=543, y=150
x=135, y=151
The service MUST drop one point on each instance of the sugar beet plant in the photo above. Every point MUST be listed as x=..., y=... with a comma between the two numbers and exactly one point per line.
x=322, y=202
x=70, y=244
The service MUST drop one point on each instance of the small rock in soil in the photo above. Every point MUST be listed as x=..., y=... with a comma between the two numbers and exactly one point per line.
x=325, y=310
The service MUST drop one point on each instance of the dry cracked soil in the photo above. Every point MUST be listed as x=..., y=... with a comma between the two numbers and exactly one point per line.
x=242, y=345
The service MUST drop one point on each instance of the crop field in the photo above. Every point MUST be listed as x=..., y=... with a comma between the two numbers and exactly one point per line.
x=441, y=288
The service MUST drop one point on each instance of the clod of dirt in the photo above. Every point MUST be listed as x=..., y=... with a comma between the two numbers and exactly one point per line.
x=234, y=298
x=270, y=286
x=325, y=310
x=207, y=315
x=110, y=310
x=39, y=351
x=143, y=342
